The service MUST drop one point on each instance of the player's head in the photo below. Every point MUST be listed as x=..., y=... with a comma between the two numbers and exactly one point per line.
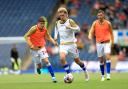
x=41, y=22
x=101, y=14
x=63, y=13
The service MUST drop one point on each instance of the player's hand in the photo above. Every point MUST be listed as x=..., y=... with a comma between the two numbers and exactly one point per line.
x=68, y=27
x=55, y=43
x=90, y=37
x=31, y=46
x=34, y=48
x=112, y=44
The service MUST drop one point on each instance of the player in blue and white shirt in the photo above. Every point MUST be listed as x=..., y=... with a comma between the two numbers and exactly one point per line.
x=66, y=29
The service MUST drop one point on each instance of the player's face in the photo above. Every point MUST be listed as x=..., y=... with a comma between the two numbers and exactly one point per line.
x=100, y=15
x=63, y=15
x=41, y=24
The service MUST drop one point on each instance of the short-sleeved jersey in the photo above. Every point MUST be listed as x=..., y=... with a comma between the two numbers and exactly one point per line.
x=66, y=35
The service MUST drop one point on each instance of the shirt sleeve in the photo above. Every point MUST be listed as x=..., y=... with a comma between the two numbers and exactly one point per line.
x=77, y=29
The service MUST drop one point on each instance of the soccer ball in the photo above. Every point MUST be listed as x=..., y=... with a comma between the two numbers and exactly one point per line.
x=68, y=78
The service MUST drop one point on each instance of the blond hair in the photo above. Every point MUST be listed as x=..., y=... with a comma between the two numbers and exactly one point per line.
x=62, y=9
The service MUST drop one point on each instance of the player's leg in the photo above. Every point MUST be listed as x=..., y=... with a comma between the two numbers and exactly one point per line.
x=108, y=66
x=50, y=69
x=12, y=60
x=63, y=50
x=17, y=66
x=107, y=50
x=74, y=53
x=102, y=64
x=100, y=53
x=64, y=62
x=82, y=65
x=39, y=66
x=44, y=57
x=36, y=60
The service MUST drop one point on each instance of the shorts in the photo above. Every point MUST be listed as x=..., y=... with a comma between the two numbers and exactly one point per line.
x=38, y=55
x=70, y=50
x=103, y=48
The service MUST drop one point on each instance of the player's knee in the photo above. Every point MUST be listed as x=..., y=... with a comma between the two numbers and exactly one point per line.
x=62, y=60
x=39, y=65
x=46, y=61
x=108, y=56
x=62, y=57
x=101, y=59
x=77, y=60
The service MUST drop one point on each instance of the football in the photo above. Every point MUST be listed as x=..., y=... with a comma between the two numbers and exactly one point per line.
x=68, y=78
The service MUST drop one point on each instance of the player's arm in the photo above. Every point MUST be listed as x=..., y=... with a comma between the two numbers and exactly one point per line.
x=111, y=33
x=73, y=26
x=56, y=32
x=49, y=38
x=91, y=32
x=27, y=35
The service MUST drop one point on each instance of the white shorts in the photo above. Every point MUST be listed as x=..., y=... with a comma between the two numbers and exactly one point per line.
x=71, y=50
x=38, y=55
x=102, y=49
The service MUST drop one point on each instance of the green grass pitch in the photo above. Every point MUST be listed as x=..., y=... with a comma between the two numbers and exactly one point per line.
x=31, y=81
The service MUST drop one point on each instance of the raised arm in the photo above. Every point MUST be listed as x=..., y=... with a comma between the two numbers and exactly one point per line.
x=73, y=26
x=27, y=35
x=91, y=32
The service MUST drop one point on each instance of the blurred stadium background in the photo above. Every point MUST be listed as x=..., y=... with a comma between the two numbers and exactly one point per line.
x=17, y=16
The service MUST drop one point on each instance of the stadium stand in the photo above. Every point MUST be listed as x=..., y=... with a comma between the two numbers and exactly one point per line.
x=17, y=16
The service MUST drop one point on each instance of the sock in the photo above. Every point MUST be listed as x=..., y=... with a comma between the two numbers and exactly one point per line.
x=108, y=66
x=50, y=69
x=39, y=68
x=38, y=71
x=102, y=69
x=83, y=67
x=67, y=68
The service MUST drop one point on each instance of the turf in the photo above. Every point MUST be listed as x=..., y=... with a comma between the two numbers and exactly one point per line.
x=31, y=81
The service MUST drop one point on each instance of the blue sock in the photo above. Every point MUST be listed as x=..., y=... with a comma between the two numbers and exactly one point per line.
x=50, y=70
x=102, y=69
x=108, y=66
x=67, y=68
x=83, y=67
